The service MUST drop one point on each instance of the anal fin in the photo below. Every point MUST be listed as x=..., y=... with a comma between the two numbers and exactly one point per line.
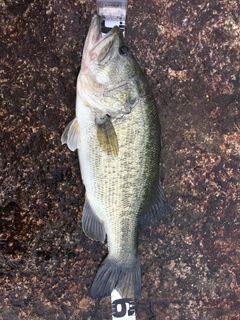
x=106, y=135
x=92, y=226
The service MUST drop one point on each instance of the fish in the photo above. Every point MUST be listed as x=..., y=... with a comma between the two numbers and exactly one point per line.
x=117, y=134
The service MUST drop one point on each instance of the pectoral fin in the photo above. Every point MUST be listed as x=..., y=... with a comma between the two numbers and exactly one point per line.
x=92, y=226
x=71, y=135
x=106, y=135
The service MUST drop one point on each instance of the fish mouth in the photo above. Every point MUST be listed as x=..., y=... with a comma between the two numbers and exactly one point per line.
x=96, y=41
x=95, y=28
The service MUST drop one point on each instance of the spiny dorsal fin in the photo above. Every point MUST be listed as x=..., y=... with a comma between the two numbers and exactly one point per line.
x=71, y=135
x=106, y=135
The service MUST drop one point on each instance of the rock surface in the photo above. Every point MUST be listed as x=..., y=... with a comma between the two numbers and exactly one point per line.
x=190, y=265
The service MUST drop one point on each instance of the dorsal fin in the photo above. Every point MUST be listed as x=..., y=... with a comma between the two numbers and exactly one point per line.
x=156, y=205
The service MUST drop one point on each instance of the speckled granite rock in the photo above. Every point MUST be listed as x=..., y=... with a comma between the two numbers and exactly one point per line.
x=190, y=265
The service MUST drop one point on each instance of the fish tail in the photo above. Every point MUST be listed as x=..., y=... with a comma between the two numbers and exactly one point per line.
x=126, y=279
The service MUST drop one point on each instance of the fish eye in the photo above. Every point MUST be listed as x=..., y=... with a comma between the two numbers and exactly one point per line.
x=123, y=50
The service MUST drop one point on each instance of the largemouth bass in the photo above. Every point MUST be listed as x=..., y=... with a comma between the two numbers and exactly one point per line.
x=118, y=137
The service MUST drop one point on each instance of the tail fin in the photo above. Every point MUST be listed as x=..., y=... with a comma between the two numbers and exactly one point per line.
x=125, y=279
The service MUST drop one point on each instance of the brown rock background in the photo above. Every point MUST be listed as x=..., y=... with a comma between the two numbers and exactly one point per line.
x=190, y=265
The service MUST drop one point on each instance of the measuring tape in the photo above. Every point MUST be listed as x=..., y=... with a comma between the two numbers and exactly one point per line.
x=113, y=13
x=122, y=308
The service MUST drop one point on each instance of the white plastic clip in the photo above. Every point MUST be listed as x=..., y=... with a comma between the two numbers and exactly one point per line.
x=122, y=308
x=113, y=13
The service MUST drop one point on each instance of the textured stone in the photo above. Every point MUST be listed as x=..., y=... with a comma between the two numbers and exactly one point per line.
x=190, y=265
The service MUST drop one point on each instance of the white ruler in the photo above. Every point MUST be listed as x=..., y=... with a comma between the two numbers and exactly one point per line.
x=122, y=308
x=113, y=13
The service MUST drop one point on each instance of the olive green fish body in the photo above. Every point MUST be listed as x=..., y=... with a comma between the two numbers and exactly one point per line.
x=117, y=134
